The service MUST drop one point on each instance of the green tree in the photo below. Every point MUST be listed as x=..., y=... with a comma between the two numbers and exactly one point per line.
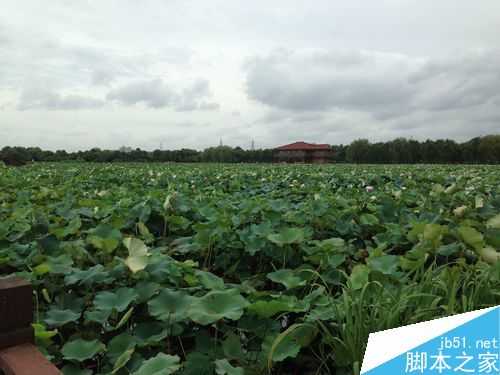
x=489, y=149
x=358, y=151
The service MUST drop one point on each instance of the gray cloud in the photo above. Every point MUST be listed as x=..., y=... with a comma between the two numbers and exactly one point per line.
x=4, y=39
x=273, y=116
x=199, y=89
x=323, y=80
x=308, y=117
x=32, y=58
x=43, y=99
x=192, y=97
x=461, y=82
x=209, y=106
x=315, y=75
x=154, y=94
x=157, y=94
x=102, y=77
x=384, y=85
x=186, y=107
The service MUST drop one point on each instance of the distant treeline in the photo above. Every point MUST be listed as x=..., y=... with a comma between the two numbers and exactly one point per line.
x=401, y=150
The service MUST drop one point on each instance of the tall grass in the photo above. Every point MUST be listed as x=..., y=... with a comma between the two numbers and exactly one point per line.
x=437, y=292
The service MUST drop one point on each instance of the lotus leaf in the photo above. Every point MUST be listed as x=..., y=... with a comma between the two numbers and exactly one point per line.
x=162, y=364
x=217, y=305
x=80, y=350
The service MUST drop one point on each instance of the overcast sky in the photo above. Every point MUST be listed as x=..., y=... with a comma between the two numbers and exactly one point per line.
x=77, y=74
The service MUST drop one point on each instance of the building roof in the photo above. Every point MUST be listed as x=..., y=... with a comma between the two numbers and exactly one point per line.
x=303, y=146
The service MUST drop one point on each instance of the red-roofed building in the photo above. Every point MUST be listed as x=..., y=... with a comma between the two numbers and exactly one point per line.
x=302, y=152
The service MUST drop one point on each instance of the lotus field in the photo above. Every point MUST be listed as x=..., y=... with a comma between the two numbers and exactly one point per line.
x=199, y=269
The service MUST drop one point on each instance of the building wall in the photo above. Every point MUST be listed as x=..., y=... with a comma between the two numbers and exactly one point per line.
x=309, y=156
x=325, y=154
x=295, y=154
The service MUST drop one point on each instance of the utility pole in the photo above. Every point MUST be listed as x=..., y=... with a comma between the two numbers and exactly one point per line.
x=253, y=145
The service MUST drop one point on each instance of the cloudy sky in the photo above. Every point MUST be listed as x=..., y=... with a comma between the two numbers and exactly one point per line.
x=77, y=74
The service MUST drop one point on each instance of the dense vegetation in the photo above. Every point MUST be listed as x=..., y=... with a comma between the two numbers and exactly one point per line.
x=230, y=269
x=477, y=150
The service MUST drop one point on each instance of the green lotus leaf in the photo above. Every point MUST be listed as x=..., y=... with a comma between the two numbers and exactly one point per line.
x=492, y=237
x=387, y=264
x=232, y=347
x=97, y=316
x=416, y=232
x=162, y=364
x=141, y=211
x=171, y=306
x=359, y=276
x=270, y=308
x=41, y=269
x=451, y=189
x=368, y=219
x=55, y=265
x=168, y=203
x=144, y=231
x=460, y=211
x=285, y=349
x=138, y=252
x=57, y=318
x=289, y=342
x=122, y=360
x=105, y=237
x=286, y=277
x=94, y=275
x=494, y=222
x=71, y=228
x=148, y=333
x=489, y=255
x=198, y=364
x=80, y=350
x=287, y=236
x=145, y=290
x=72, y=369
x=70, y=301
x=223, y=367
x=335, y=260
x=471, y=237
x=478, y=201
x=123, y=320
x=209, y=280
x=119, y=299
x=450, y=249
x=434, y=233
x=120, y=344
x=331, y=244
x=41, y=333
x=437, y=188
x=217, y=305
